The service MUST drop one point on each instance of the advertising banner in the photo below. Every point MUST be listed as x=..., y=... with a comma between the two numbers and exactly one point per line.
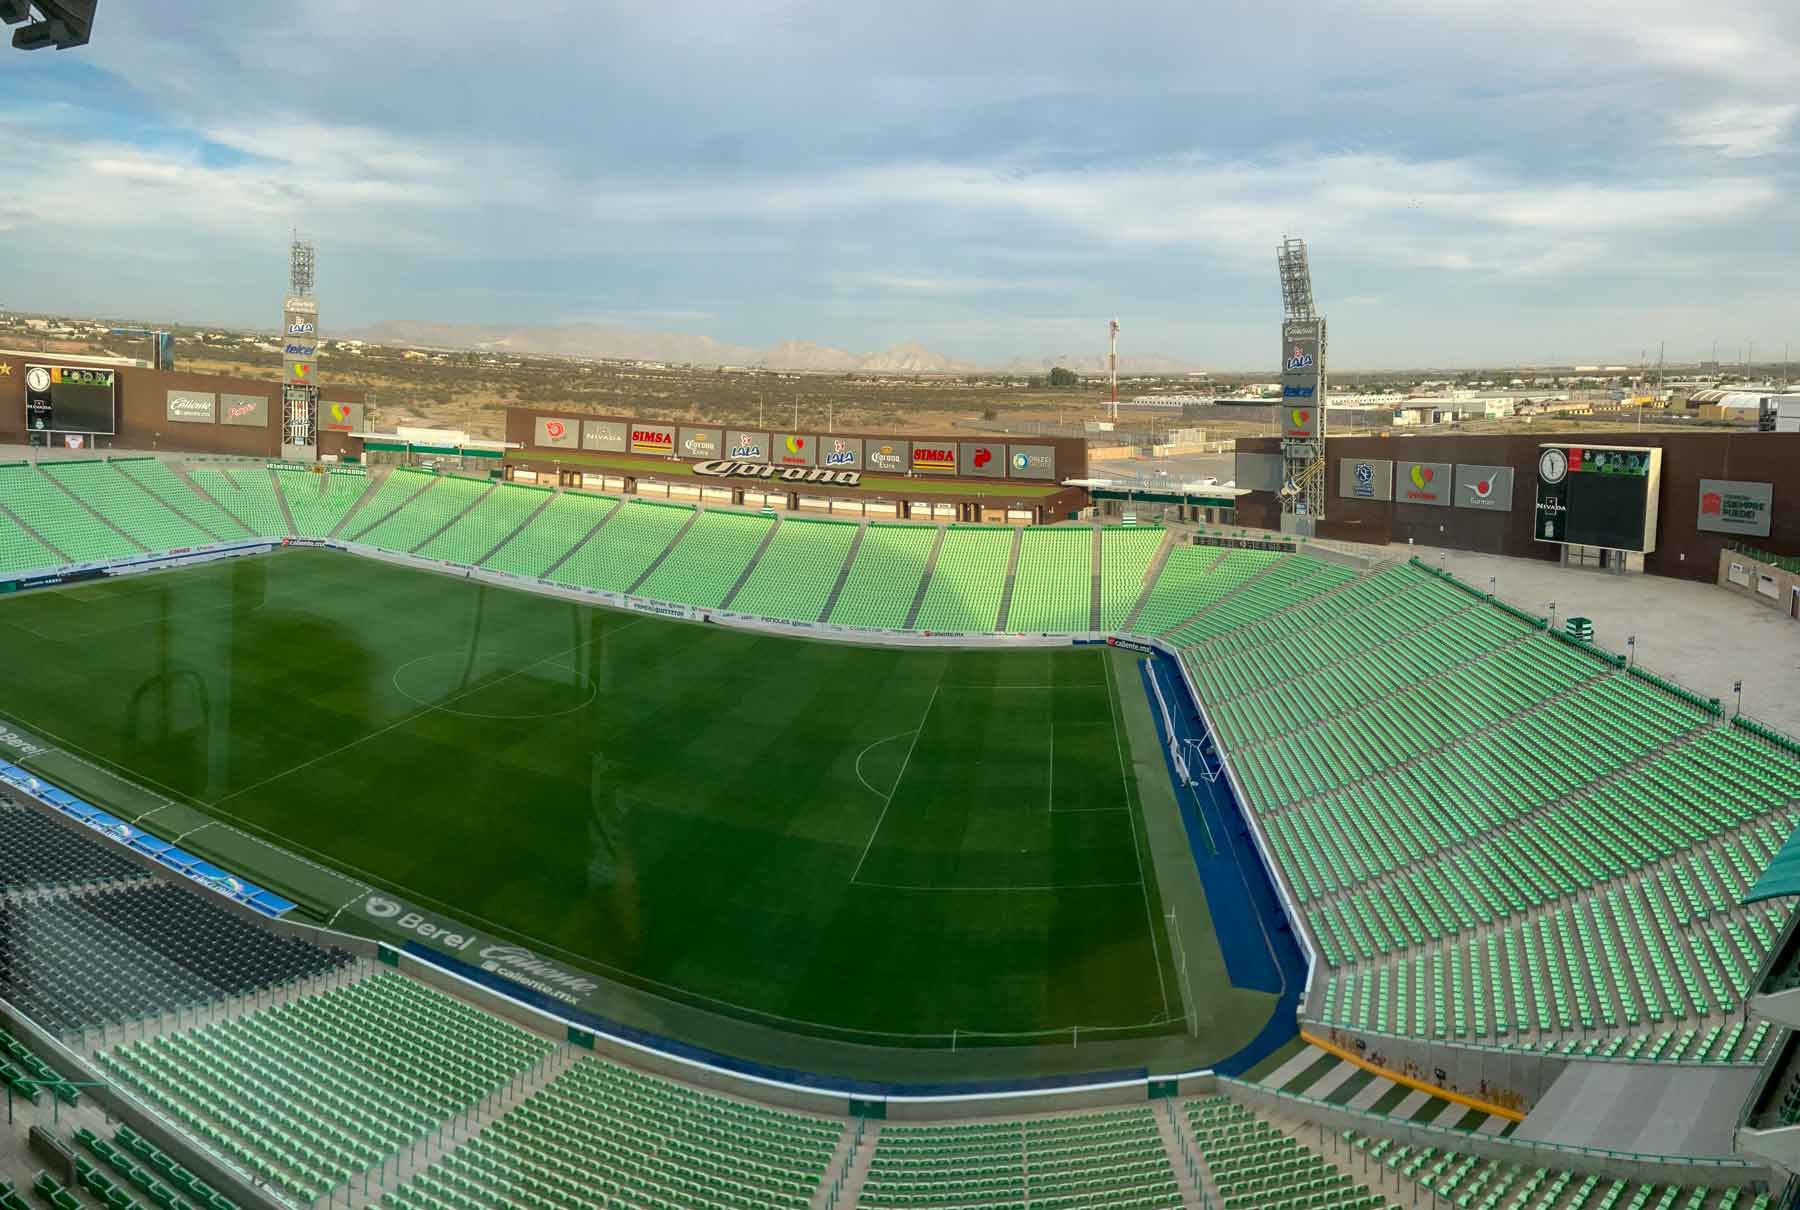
x=613, y=435
x=301, y=347
x=1366, y=478
x=1423, y=483
x=983, y=459
x=1488, y=488
x=299, y=328
x=341, y=417
x=794, y=449
x=244, y=411
x=648, y=437
x=1734, y=506
x=933, y=458
x=1299, y=421
x=701, y=443
x=746, y=445
x=299, y=372
x=191, y=407
x=886, y=454
x=1031, y=461
x=841, y=453
x=554, y=433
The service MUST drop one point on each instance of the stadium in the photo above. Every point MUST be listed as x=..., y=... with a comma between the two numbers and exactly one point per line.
x=473, y=838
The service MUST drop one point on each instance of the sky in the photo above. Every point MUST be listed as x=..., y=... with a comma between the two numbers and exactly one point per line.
x=1535, y=181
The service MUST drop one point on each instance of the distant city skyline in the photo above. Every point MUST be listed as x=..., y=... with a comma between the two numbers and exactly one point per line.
x=1528, y=183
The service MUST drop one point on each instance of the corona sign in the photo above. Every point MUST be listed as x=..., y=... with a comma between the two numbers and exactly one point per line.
x=726, y=467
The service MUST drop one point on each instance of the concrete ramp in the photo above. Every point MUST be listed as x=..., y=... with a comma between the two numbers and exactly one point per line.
x=1653, y=1108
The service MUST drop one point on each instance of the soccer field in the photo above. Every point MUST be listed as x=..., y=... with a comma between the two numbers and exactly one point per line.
x=877, y=844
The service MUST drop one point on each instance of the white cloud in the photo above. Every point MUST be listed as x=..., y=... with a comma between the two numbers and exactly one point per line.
x=1736, y=130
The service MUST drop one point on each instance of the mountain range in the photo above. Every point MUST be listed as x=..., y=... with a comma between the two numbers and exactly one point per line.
x=687, y=348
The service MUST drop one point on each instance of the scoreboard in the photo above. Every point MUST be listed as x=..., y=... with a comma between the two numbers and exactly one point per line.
x=1598, y=495
x=69, y=399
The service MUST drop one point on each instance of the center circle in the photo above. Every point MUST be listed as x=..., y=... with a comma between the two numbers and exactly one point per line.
x=437, y=681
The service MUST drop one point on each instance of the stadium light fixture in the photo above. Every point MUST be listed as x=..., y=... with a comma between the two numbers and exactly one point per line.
x=61, y=23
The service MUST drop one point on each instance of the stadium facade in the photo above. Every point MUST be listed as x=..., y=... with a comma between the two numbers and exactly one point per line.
x=1478, y=493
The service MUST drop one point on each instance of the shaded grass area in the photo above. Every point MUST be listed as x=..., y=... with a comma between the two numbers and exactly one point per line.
x=860, y=840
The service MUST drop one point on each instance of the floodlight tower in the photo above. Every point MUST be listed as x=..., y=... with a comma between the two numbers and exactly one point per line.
x=1302, y=411
x=1112, y=363
x=300, y=354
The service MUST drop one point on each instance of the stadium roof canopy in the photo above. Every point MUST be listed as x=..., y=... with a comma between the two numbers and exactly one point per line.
x=1782, y=877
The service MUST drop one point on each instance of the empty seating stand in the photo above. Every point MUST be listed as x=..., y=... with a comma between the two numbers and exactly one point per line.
x=619, y=553
x=1192, y=578
x=130, y=508
x=322, y=1088
x=1257, y=1167
x=600, y=1134
x=968, y=580
x=19, y=551
x=1125, y=557
x=48, y=510
x=569, y=518
x=708, y=560
x=424, y=513
x=36, y=851
x=137, y=950
x=1460, y=1179
x=318, y=502
x=1112, y=1159
x=485, y=526
x=1053, y=588
x=167, y=486
x=884, y=577
x=248, y=493
x=798, y=570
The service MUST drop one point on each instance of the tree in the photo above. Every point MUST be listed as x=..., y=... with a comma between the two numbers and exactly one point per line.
x=1060, y=377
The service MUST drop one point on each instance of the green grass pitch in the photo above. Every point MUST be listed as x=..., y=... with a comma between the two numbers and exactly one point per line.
x=871, y=842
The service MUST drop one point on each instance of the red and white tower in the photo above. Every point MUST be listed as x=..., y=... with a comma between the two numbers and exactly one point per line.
x=1112, y=364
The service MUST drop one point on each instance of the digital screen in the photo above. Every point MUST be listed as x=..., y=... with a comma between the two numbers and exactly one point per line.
x=80, y=399
x=1606, y=510
x=1603, y=497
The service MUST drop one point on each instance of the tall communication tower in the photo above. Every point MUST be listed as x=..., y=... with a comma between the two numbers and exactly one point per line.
x=300, y=354
x=1112, y=364
x=1303, y=384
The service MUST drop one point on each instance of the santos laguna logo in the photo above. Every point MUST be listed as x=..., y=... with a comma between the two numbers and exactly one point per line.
x=721, y=467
